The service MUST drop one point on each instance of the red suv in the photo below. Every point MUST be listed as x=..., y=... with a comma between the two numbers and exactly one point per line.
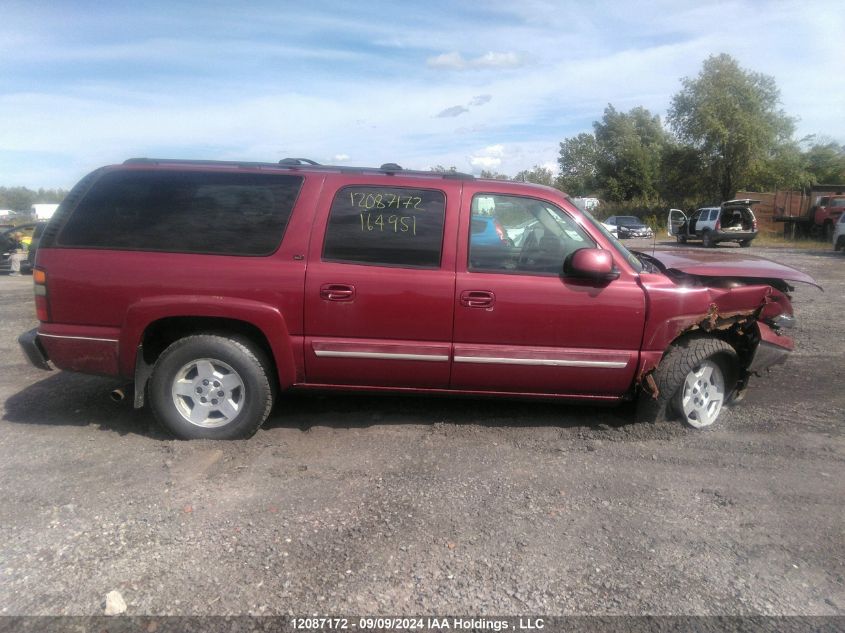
x=214, y=286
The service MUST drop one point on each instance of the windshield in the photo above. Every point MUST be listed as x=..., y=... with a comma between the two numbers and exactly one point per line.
x=632, y=260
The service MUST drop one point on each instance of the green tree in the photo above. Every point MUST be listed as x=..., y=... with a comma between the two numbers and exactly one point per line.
x=628, y=158
x=22, y=198
x=825, y=162
x=577, y=162
x=538, y=175
x=682, y=181
x=783, y=167
x=733, y=117
x=492, y=174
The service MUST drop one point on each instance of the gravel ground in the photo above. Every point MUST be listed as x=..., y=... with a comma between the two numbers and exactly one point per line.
x=383, y=505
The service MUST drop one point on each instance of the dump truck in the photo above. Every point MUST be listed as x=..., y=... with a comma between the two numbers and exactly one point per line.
x=819, y=217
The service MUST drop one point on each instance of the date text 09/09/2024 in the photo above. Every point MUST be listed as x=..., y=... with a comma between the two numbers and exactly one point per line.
x=417, y=624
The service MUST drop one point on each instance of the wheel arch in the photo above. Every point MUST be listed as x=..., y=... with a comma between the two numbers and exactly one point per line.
x=744, y=346
x=655, y=402
x=151, y=326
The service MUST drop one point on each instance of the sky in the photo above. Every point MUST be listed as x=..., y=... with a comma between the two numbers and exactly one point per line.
x=475, y=85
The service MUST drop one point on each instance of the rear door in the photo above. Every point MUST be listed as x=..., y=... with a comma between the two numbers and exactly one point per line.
x=380, y=282
x=707, y=220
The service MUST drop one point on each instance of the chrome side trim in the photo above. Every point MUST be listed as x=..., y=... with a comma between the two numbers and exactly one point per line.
x=548, y=362
x=382, y=355
x=80, y=338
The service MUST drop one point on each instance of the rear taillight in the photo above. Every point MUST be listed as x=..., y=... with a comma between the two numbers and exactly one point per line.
x=754, y=224
x=42, y=303
x=718, y=224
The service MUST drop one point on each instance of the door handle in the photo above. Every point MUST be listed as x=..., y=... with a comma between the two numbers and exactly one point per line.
x=478, y=299
x=337, y=292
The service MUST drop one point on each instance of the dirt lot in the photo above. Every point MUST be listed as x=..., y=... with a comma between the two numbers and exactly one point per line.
x=374, y=505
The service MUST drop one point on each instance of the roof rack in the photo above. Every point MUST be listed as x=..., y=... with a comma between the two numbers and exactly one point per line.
x=298, y=161
x=389, y=169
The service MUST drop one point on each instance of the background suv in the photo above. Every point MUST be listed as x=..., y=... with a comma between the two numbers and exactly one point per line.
x=733, y=221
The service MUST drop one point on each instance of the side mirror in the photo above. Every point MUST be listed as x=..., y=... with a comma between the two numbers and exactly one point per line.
x=591, y=263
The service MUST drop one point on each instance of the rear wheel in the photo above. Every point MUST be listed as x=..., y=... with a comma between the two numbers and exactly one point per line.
x=707, y=240
x=211, y=387
x=745, y=243
x=694, y=380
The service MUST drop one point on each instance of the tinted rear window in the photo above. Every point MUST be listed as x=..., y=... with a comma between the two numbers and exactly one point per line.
x=184, y=212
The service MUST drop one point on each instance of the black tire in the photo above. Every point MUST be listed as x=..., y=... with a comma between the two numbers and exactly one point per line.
x=681, y=359
x=828, y=231
x=707, y=240
x=682, y=239
x=253, y=399
x=745, y=243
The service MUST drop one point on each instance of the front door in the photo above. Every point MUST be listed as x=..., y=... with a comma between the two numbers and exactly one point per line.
x=379, y=285
x=677, y=222
x=523, y=327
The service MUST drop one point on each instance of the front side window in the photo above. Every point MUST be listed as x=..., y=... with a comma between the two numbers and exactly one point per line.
x=386, y=226
x=184, y=212
x=513, y=234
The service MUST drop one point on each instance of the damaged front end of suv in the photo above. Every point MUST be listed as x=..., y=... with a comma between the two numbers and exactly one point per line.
x=705, y=308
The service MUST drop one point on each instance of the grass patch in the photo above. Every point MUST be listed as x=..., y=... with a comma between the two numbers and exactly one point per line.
x=775, y=240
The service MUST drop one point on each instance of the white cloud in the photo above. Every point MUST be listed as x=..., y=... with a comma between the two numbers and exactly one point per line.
x=479, y=100
x=447, y=60
x=456, y=61
x=340, y=158
x=552, y=166
x=498, y=60
x=489, y=157
x=485, y=162
x=451, y=112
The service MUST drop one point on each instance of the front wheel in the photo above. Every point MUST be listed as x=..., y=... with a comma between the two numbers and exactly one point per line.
x=211, y=387
x=682, y=239
x=694, y=380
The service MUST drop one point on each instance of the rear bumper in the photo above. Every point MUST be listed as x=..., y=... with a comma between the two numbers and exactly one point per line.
x=86, y=349
x=33, y=349
x=773, y=349
x=732, y=236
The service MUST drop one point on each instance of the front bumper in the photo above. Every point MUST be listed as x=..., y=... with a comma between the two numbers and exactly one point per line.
x=33, y=349
x=773, y=349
